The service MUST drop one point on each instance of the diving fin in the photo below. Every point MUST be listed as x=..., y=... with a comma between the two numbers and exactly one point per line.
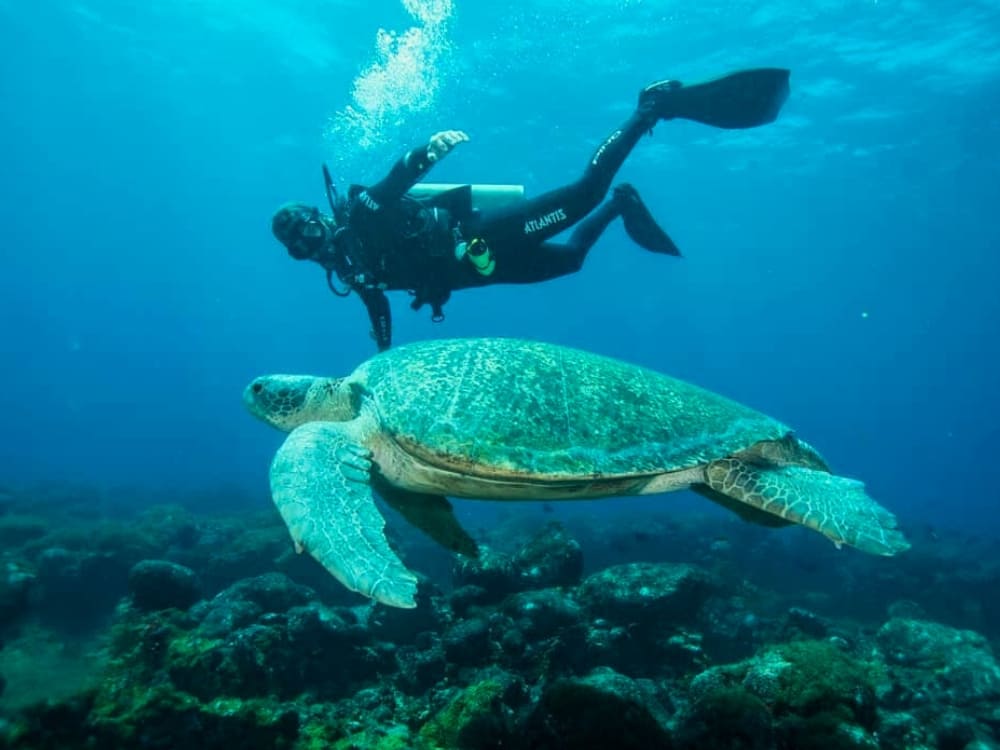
x=640, y=225
x=744, y=99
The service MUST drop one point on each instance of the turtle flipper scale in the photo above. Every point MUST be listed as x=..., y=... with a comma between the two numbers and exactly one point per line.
x=320, y=482
x=837, y=507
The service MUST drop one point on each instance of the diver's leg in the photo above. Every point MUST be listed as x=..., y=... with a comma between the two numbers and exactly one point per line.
x=549, y=260
x=743, y=99
x=591, y=228
x=639, y=225
x=541, y=218
x=514, y=257
x=546, y=261
x=739, y=100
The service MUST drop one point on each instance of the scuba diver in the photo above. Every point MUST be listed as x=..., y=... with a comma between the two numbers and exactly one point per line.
x=432, y=240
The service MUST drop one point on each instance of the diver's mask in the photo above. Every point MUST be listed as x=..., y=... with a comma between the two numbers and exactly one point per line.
x=310, y=236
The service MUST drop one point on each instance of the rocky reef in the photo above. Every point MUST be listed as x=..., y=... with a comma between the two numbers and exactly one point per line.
x=166, y=628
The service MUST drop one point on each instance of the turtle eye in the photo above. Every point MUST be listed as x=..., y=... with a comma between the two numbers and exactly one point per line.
x=257, y=388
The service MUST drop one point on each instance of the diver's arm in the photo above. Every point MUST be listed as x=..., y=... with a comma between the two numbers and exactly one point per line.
x=379, y=314
x=416, y=163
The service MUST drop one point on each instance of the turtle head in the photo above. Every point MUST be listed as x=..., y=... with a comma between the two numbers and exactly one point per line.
x=287, y=401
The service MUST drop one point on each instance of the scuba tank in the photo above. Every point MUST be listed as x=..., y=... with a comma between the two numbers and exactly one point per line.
x=484, y=197
x=467, y=202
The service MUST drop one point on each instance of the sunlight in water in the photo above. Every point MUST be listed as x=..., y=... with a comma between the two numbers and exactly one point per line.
x=403, y=78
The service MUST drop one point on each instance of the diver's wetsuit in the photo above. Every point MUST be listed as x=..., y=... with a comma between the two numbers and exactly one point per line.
x=398, y=243
x=381, y=238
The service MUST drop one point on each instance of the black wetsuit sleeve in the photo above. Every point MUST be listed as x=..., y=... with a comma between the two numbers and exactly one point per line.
x=404, y=174
x=380, y=316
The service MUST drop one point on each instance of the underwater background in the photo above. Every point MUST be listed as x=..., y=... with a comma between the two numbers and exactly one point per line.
x=840, y=265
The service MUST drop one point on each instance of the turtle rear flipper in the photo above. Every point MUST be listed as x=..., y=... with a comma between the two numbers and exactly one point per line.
x=836, y=507
x=433, y=515
x=320, y=481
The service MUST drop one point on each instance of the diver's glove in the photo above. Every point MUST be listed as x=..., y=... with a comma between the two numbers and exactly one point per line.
x=442, y=143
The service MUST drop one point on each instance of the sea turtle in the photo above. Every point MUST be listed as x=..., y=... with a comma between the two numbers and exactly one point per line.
x=506, y=419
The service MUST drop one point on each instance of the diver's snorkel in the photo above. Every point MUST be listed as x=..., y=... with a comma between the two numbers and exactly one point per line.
x=331, y=193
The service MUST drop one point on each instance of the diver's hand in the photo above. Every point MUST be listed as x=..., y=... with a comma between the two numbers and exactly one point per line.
x=442, y=143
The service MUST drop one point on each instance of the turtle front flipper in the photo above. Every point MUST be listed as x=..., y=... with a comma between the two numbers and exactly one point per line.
x=320, y=481
x=835, y=506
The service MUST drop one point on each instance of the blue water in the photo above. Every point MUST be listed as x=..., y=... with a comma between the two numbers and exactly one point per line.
x=841, y=264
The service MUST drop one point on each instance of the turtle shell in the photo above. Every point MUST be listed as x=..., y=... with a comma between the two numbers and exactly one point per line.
x=507, y=407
